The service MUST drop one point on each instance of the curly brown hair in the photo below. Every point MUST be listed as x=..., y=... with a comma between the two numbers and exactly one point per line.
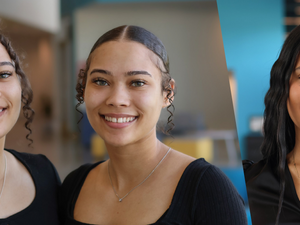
x=143, y=36
x=27, y=94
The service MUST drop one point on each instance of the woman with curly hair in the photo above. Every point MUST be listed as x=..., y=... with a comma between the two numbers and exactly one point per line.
x=28, y=183
x=125, y=85
x=273, y=184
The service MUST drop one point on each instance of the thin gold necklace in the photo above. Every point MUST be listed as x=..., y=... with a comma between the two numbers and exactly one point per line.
x=120, y=199
x=295, y=166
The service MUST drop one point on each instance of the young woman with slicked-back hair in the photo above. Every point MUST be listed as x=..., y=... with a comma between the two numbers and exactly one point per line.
x=273, y=184
x=125, y=85
x=28, y=183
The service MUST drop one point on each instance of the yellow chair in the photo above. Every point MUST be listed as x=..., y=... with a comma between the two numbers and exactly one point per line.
x=200, y=148
x=98, y=148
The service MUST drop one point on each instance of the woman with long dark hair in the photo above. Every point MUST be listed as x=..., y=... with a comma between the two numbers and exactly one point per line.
x=125, y=85
x=273, y=184
x=28, y=183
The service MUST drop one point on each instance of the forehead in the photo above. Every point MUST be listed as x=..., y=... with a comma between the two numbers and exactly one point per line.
x=3, y=54
x=125, y=53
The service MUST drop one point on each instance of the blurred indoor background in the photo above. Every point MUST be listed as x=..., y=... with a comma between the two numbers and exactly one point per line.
x=253, y=34
x=53, y=39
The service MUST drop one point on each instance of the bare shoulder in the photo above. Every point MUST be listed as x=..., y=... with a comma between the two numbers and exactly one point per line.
x=17, y=169
x=176, y=163
x=181, y=159
x=96, y=174
x=19, y=189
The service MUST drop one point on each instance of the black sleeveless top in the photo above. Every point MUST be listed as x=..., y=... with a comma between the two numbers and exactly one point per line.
x=43, y=210
x=263, y=188
x=204, y=195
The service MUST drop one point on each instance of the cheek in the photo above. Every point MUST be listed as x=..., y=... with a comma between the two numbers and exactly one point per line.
x=92, y=101
x=293, y=103
x=14, y=92
x=92, y=98
x=150, y=102
x=18, y=98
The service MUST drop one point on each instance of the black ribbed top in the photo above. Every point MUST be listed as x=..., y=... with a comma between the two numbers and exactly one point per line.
x=263, y=188
x=43, y=209
x=204, y=195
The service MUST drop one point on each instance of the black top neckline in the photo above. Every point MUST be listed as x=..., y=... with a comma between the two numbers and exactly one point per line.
x=204, y=195
x=291, y=181
x=75, y=197
x=31, y=205
x=263, y=188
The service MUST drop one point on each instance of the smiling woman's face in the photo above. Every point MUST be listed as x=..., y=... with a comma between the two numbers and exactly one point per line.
x=123, y=94
x=10, y=93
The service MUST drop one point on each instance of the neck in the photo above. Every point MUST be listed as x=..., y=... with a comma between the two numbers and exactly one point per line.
x=2, y=160
x=295, y=154
x=131, y=164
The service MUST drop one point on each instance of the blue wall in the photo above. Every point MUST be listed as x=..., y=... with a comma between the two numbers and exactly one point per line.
x=253, y=33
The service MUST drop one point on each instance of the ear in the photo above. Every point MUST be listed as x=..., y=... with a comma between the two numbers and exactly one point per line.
x=169, y=93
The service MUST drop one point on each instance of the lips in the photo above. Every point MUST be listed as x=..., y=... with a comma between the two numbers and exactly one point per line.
x=118, y=120
x=2, y=111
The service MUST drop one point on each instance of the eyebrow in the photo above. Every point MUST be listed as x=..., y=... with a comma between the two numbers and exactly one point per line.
x=6, y=63
x=132, y=73
x=100, y=71
x=129, y=73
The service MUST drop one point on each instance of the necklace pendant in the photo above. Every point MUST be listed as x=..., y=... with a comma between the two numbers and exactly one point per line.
x=120, y=200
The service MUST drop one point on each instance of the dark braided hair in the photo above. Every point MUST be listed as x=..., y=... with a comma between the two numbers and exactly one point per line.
x=27, y=94
x=143, y=36
x=279, y=129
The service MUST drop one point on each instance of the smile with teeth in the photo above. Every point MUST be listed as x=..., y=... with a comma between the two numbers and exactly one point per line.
x=119, y=120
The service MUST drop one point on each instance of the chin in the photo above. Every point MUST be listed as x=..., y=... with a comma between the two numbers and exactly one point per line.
x=117, y=143
x=4, y=130
x=116, y=139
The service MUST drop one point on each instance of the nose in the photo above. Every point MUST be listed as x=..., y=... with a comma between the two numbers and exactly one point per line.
x=118, y=97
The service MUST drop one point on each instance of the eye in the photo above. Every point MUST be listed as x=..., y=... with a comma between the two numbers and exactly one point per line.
x=138, y=83
x=4, y=75
x=100, y=82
